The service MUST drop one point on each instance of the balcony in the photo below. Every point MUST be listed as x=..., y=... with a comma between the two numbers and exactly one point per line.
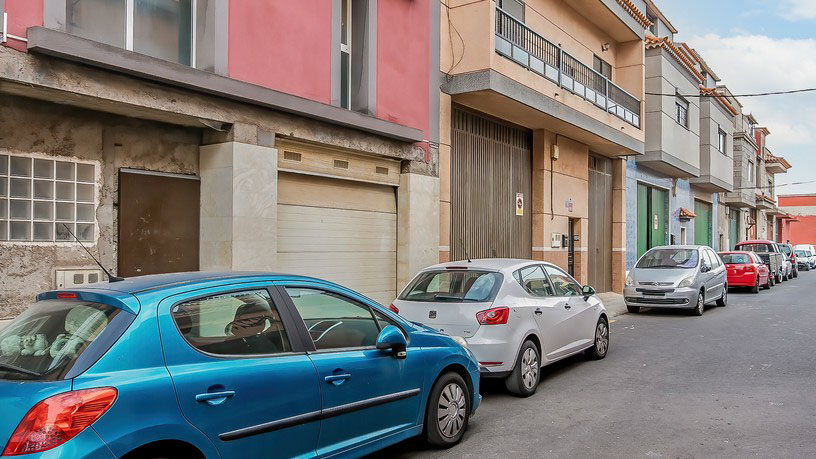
x=741, y=198
x=765, y=202
x=776, y=164
x=519, y=43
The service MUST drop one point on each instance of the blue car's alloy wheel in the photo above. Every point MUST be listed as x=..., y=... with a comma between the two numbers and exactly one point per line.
x=448, y=411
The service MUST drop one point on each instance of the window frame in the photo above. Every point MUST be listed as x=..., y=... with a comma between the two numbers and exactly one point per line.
x=722, y=140
x=32, y=199
x=604, y=67
x=558, y=269
x=130, y=11
x=345, y=48
x=293, y=333
x=546, y=277
x=681, y=105
x=299, y=323
x=520, y=3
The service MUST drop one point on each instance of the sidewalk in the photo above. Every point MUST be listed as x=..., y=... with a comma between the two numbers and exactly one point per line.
x=4, y=322
x=614, y=303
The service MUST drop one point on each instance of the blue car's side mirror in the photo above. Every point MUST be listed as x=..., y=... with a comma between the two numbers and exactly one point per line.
x=392, y=338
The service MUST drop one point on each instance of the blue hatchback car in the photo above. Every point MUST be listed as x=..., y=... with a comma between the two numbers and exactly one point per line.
x=226, y=365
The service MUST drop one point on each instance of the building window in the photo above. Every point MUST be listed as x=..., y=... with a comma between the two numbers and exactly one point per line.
x=602, y=67
x=682, y=107
x=165, y=29
x=682, y=235
x=722, y=139
x=514, y=8
x=345, y=55
x=653, y=27
x=750, y=172
x=45, y=200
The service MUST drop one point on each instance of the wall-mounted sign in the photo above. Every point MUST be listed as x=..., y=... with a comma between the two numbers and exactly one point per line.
x=520, y=204
x=656, y=224
x=568, y=204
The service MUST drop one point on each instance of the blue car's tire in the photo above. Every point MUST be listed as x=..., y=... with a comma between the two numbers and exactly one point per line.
x=448, y=411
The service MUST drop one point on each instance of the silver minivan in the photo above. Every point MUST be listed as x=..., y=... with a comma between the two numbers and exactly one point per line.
x=677, y=276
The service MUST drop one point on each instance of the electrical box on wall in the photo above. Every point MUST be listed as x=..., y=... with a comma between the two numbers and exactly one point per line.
x=74, y=278
x=556, y=241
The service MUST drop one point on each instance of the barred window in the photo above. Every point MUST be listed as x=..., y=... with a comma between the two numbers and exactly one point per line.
x=39, y=198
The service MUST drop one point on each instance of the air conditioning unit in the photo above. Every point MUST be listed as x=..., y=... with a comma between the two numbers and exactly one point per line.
x=76, y=278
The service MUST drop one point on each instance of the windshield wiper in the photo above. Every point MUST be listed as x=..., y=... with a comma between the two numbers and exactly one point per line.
x=439, y=296
x=6, y=366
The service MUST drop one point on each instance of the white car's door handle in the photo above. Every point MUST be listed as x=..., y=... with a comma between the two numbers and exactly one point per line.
x=538, y=311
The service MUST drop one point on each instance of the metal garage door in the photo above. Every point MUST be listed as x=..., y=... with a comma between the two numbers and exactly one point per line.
x=599, y=261
x=702, y=223
x=491, y=171
x=339, y=230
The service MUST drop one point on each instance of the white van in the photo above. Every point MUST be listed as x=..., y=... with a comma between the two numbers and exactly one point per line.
x=808, y=248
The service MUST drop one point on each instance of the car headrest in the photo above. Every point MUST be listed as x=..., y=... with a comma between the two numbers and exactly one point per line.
x=251, y=318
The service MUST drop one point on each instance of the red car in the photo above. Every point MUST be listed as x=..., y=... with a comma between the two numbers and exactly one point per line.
x=746, y=269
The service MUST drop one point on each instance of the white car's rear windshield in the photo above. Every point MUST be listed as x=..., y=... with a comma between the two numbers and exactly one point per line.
x=454, y=286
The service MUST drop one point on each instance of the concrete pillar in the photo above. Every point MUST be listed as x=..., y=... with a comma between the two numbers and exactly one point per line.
x=619, y=224
x=417, y=225
x=239, y=190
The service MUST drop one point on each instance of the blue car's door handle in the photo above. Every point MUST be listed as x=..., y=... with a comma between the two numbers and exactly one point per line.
x=215, y=398
x=337, y=379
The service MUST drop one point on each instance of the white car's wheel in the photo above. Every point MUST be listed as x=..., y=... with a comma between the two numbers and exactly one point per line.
x=601, y=345
x=523, y=381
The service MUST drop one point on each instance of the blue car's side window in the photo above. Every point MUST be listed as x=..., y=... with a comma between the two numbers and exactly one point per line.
x=334, y=321
x=238, y=323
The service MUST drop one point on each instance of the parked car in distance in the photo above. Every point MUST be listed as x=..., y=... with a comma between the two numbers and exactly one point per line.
x=809, y=248
x=746, y=269
x=803, y=259
x=516, y=315
x=226, y=365
x=676, y=276
x=770, y=254
x=790, y=260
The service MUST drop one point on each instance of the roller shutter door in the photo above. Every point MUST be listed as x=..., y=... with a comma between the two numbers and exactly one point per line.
x=340, y=230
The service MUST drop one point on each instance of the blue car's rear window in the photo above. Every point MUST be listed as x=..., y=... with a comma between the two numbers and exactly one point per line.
x=45, y=341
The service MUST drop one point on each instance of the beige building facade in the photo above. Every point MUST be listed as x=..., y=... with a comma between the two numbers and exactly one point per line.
x=541, y=102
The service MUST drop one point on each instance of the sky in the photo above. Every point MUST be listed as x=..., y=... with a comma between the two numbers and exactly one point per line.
x=760, y=46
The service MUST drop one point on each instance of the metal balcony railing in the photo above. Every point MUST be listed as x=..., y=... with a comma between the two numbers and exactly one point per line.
x=516, y=41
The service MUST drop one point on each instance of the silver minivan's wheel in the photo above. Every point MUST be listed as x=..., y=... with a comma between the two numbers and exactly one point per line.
x=448, y=411
x=523, y=381
x=601, y=345
x=723, y=301
x=699, y=308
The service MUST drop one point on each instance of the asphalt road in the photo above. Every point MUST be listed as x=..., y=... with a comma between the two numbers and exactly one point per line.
x=737, y=382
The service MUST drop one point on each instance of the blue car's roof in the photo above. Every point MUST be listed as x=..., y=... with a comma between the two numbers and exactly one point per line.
x=139, y=284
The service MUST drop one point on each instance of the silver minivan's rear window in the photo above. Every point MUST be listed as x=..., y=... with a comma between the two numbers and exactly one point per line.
x=453, y=286
x=44, y=342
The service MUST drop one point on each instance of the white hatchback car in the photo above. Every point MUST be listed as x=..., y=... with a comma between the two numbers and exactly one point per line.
x=516, y=316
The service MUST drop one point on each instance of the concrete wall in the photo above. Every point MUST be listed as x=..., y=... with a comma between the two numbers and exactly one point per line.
x=717, y=164
x=57, y=131
x=664, y=135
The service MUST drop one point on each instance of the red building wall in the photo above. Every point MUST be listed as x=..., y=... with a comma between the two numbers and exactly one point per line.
x=282, y=45
x=403, y=67
x=802, y=207
x=22, y=14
